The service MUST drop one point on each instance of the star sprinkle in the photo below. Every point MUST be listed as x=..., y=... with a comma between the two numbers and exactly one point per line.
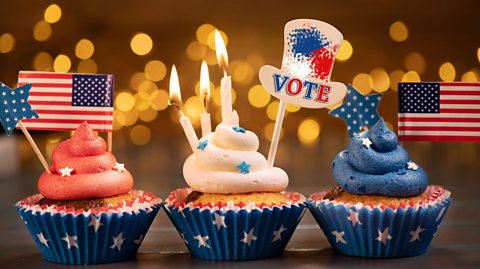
x=412, y=166
x=14, y=106
x=244, y=167
x=42, y=239
x=367, y=142
x=238, y=129
x=95, y=223
x=249, y=237
x=353, y=218
x=383, y=236
x=71, y=241
x=66, y=172
x=202, y=145
x=277, y=235
x=219, y=221
x=202, y=241
x=358, y=110
x=118, y=241
x=339, y=237
x=416, y=234
x=120, y=167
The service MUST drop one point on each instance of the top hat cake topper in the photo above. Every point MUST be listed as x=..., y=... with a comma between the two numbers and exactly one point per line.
x=308, y=56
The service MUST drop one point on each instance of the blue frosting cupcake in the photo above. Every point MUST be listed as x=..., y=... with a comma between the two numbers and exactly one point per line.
x=382, y=206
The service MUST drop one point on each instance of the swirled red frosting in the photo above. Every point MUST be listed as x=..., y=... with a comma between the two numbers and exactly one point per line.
x=95, y=171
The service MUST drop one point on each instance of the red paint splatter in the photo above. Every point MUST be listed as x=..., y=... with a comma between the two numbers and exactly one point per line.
x=322, y=62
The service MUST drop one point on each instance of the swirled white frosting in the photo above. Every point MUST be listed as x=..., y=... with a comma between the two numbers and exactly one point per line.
x=214, y=167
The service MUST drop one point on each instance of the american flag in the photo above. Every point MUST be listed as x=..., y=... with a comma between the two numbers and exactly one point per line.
x=439, y=111
x=64, y=100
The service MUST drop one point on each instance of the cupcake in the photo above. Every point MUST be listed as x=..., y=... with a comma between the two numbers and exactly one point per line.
x=383, y=206
x=87, y=211
x=236, y=207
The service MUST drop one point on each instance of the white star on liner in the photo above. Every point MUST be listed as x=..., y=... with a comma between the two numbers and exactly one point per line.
x=120, y=167
x=277, y=235
x=202, y=241
x=95, y=222
x=367, y=142
x=412, y=166
x=219, y=221
x=42, y=239
x=71, y=241
x=416, y=234
x=183, y=238
x=118, y=241
x=66, y=172
x=339, y=237
x=353, y=217
x=383, y=236
x=139, y=240
x=248, y=238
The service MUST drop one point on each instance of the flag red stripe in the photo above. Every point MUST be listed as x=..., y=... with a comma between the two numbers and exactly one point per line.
x=74, y=112
x=44, y=75
x=50, y=103
x=439, y=138
x=411, y=119
x=459, y=110
x=474, y=84
x=439, y=128
x=40, y=120
x=48, y=85
x=63, y=129
x=66, y=94
x=446, y=92
x=460, y=102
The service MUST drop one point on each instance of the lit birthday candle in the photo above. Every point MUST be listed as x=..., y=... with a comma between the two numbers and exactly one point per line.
x=226, y=82
x=176, y=101
x=205, y=95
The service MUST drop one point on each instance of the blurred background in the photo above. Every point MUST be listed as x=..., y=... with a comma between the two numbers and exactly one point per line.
x=138, y=41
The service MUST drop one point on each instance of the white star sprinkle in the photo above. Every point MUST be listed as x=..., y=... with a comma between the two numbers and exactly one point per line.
x=66, y=172
x=139, y=240
x=248, y=237
x=95, y=222
x=202, y=241
x=118, y=241
x=71, y=241
x=367, y=142
x=383, y=236
x=120, y=167
x=412, y=166
x=353, y=218
x=339, y=237
x=42, y=239
x=277, y=235
x=219, y=221
x=416, y=234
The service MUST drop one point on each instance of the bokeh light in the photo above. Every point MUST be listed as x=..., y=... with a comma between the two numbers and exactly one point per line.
x=416, y=62
x=345, y=51
x=363, y=83
x=211, y=39
x=256, y=60
x=159, y=100
x=141, y=44
x=242, y=72
x=196, y=51
x=142, y=100
x=398, y=31
x=268, y=131
x=380, y=79
x=411, y=76
x=193, y=108
x=470, y=76
x=272, y=110
x=258, y=96
x=137, y=79
x=203, y=32
x=155, y=70
x=124, y=101
x=42, y=31
x=87, y=66
x=84, y=49
x=140, y=135
x=52, y=14
x=478, y=54
x=148, y=114
x=126, y=118
x=7, y=43
x=308, y=131
x=447, y=72
x=42, y=62
x=292, y=108
x=396, y=76
x=62, y=63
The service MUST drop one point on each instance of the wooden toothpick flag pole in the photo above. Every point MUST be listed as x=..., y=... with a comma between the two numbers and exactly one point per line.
x=34, y=146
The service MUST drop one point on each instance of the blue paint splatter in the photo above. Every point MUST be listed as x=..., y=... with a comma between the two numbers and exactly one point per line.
x=305, y=41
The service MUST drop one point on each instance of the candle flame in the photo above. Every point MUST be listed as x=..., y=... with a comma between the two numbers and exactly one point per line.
x=204, y=81
x=221, y=50
x=175, y=96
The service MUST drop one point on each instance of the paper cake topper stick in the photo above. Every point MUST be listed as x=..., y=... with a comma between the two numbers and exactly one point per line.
x=15, y=108
x=358, y=111
x=304, y=79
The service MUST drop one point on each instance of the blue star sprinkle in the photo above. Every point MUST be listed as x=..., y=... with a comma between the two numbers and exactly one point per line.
x=238, y=129
x=358, y=111
x=244, y=167
x=14, y=106
x=202, y=145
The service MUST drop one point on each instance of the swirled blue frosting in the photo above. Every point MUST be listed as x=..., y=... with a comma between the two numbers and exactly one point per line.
x=374, y=164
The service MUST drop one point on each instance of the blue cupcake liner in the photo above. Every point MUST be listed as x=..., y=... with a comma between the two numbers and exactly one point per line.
x=83, y=237
x=359, y=230
x=235, y=233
